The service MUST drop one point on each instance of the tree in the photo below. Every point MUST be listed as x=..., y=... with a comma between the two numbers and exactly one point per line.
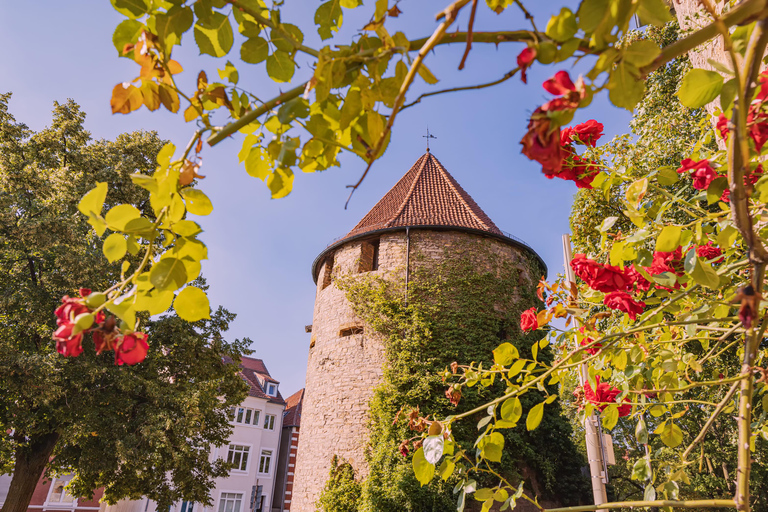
x=704, y=275
x=136, y=430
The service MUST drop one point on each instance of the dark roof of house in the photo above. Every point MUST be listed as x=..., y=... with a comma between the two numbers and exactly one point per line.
x=426, y=196
x=292, y=414
x=253, y=372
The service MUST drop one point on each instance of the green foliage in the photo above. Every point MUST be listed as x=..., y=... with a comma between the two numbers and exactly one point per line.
x=142, y=430
x=458, y=309
x=342, y=490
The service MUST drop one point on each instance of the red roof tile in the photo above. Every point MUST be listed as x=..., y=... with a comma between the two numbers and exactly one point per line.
x=292, y=414
x=253, y=372
x=426, y=196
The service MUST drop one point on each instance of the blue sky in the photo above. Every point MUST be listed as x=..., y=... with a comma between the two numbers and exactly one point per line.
x=261, y=249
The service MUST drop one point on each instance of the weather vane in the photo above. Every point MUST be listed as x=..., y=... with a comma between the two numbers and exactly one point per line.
x=428, y=136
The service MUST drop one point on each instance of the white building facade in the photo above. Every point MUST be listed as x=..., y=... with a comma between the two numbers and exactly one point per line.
x=253, y=448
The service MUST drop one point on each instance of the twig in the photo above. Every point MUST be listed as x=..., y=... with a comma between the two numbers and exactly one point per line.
x=654, y=503
x=469, y=35
x=506, y=77
x=712, y=418
x=449, y=15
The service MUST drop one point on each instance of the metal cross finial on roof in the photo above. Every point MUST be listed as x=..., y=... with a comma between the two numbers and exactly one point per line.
x=428, y=136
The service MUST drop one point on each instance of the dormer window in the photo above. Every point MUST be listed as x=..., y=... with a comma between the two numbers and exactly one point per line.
x=272, y=389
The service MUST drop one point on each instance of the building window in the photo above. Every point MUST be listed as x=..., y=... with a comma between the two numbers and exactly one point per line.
x=328, y=272
x=350, y=330
x=59, y=493
x=257, y=498
x=265, y=461
x=238, y=456
x=369, y=256
x=269, y=421
x=272, y=389
x=230, y=502
x=244, y=415
x=187, y=506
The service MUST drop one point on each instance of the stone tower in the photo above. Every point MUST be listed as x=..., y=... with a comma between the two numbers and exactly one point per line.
x=425, y=212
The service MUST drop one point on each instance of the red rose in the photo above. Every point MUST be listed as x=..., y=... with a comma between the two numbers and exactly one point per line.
x=524, y=61
x=566, y=138
x=757, y=126
x=529, y=320
x=603, y=395
x=132, y=349
x=594, y=349
x=559, y=84
x=624, y=302
x=585, y=268
x=611, y=279
x=703, y=174
x=580, y=171
x=722, y=126
x=542, y=143
x=66, y=344
x=637, y=279
x=589, y=133
x=667, y=262
x=709, y=252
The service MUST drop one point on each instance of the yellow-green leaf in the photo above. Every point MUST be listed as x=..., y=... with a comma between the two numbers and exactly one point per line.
x=505, y=354
x=424, y=471
x=168, y=274
x=534, y=416
x=192, y=304
x=197, y=202
x=119, y=216
x=115, y=247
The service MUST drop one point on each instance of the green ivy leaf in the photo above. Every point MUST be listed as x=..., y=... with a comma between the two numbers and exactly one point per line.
x=563, y=26
x=424, y=471
x=196, y=201
x=254, y=50
x=192, y=304
x=168, y=274
x=699, y=87
x=214, y=37
x=115, y=247
x=534, y=416
x=505, y=354
x=280, y=66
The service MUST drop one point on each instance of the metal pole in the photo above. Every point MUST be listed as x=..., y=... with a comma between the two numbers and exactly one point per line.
x=597, y=467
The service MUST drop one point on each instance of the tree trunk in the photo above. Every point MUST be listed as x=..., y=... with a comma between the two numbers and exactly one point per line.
x=30, y=464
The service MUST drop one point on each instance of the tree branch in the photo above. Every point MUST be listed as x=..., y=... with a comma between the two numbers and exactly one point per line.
x=469, y=36
x=506, y=77
x=654, y=503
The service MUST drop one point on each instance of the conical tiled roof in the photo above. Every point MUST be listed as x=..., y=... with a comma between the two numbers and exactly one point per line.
x=426, y=196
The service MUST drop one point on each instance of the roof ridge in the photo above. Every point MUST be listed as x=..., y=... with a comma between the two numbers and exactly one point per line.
x=454, y=184
x=409, y=194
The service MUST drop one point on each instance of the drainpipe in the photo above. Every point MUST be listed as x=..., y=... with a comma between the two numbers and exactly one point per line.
x=407, y=260
x=597, y=467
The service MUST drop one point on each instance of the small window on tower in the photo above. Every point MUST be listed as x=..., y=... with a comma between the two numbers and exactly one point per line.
x=350, y=330
x=369, y=256
x=328, y=272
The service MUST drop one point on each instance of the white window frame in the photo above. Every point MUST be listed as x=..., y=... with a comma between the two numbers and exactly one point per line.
x=247, y=451
x=60, y=504
x=269, y=461
x=267, y=422
x=241, y=412
x=243, y=502
x=273, y=387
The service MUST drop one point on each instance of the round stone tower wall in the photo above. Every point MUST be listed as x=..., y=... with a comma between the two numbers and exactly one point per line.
x=346, y=358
